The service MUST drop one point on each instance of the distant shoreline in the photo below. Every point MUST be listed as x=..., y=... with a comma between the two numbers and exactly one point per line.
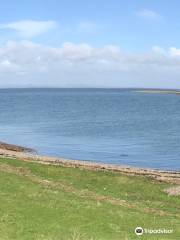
x=27, y=154
x=159, y=91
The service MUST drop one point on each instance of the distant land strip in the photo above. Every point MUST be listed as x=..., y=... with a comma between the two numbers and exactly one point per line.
x=159, y=91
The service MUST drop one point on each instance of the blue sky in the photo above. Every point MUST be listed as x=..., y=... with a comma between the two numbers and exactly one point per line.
x=116, y=21
x=122, y=37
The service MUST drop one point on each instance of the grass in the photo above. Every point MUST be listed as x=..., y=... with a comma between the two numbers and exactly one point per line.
x=44, y=202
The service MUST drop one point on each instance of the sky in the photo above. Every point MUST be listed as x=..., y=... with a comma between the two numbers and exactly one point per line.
x=132, y=43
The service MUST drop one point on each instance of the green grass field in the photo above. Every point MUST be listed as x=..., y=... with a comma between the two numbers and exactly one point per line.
x=44, y=202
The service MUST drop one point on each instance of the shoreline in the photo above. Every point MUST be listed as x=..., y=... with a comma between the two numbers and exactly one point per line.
x=27, y=154
x=156, y=91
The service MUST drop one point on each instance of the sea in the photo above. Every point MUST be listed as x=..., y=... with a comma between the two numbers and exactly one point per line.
x=116, y=126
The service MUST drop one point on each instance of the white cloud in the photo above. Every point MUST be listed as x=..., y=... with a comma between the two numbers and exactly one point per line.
x=174, y=52
x=148, y=14
x=79, y=52
x=30, y=28
x=6, y=63
x=7, y=66
x=28, y=64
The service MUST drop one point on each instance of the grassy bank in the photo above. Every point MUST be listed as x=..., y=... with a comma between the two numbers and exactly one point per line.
x=44, y=202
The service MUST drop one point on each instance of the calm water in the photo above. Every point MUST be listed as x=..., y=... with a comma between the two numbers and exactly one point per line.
x=111, y=126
